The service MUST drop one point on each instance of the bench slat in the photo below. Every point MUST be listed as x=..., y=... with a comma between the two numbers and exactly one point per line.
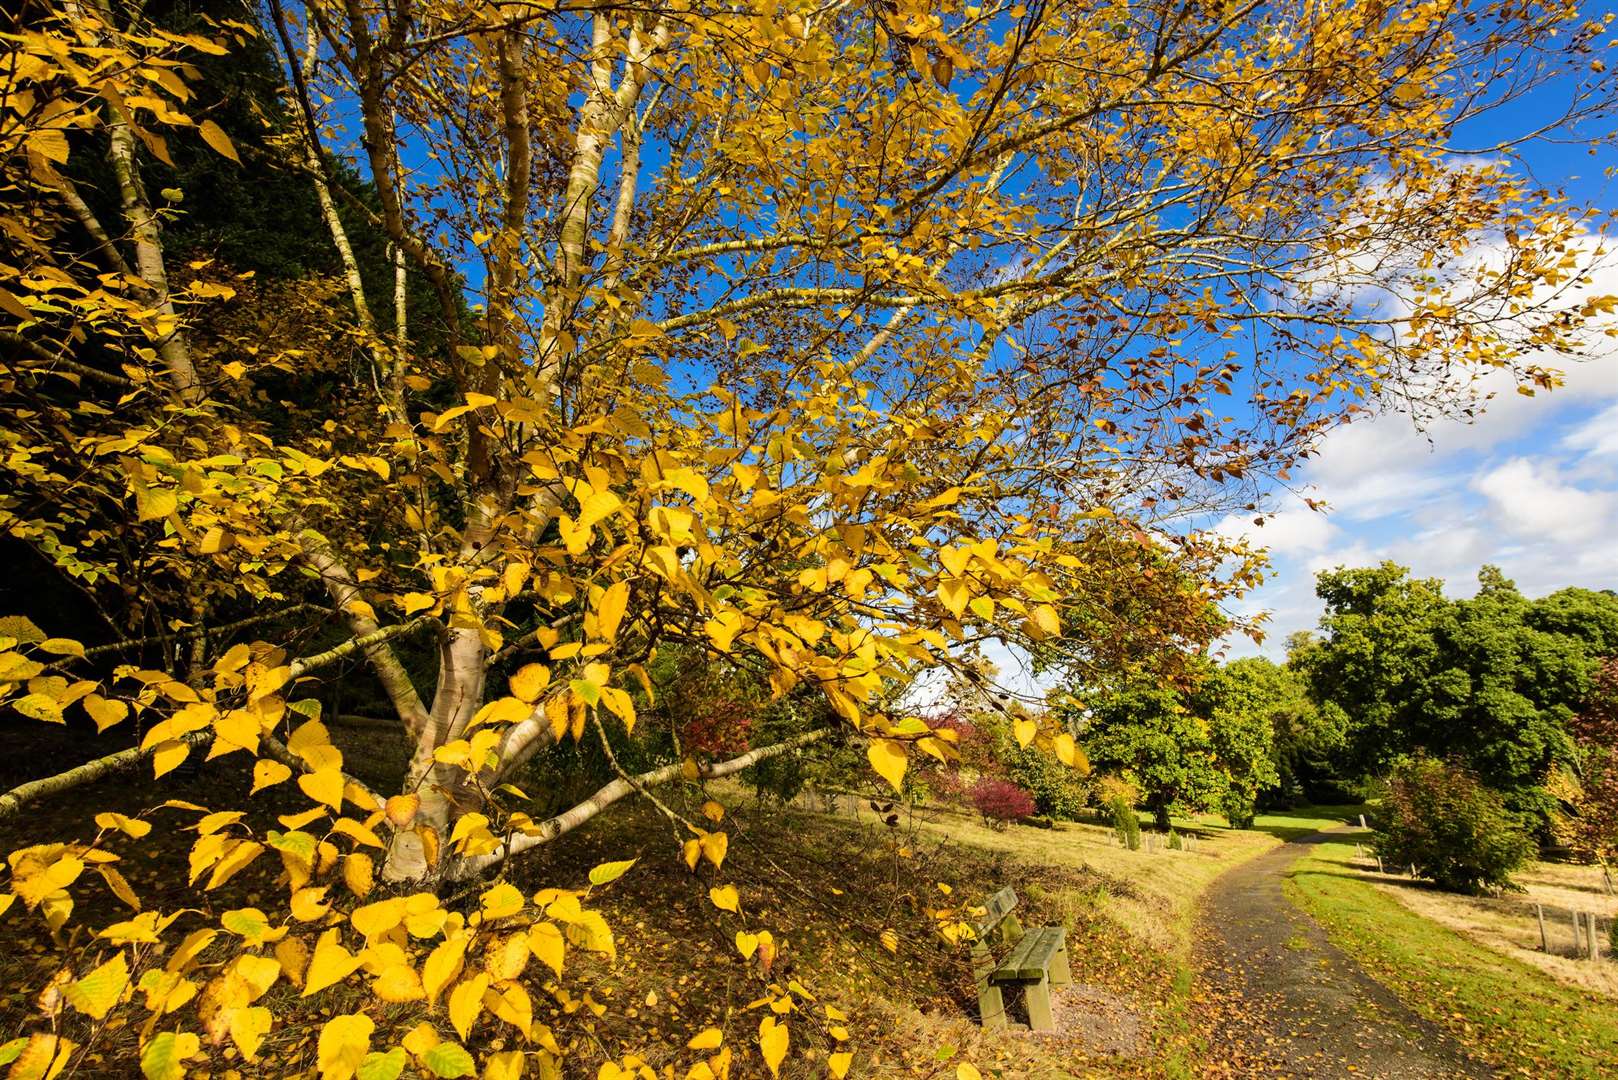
x=999, y=906
x=1031, y=959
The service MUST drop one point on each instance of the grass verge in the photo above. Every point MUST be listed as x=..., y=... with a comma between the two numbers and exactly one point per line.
x=1505, y=1012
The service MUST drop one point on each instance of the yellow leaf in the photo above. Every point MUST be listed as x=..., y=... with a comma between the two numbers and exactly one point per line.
x=596, y=507
x=707, y=1039
x=324, y=786
x=415, y=601
x=839, y=1062
x=610, y=610
x=42, y=1057
x=713, y=811
x=99, y=990
x=507, y=1065
x=330, y=965
x=545, y=942
x=420, y=1039
x=105, y=713
x=248, y=1026
x=890, y=941
x=358, y=873
x=398, y=983
x=746, y=944
x=954, y=594
x=167, y=756
x=722, y=629
x=1024, y=730
x=529, y=682
x=725, y=898
x=772, y=1043
x=374, y=920
x=401, y=809
x=607, y=873
x=556, y=715
x=466, y=1002
x=235, y=860
x=268, y=773
x=512, y=1004
x=1068, y=752
x=344, y=1042
x=501, y=901
x=714, y=846
x=154, y=503
x=889, y=760
x=443, y=964
x=133, y=826
x=162, y=1056
x=215, y=136
x=1044, y=616
x=964, y=1071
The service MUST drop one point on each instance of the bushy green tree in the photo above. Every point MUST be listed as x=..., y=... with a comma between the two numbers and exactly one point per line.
x=1241, y=703
x=1493, y=680
x=1148, y=732
x=1440, y=818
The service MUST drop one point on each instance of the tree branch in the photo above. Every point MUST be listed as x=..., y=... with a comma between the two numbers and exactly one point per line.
x=568, y=820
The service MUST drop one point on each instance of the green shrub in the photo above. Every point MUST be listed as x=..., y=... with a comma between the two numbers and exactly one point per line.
x=1239, y=808
x=1124, y=822
x=1439, y=818
x=1059, y=791
x=1175, y=843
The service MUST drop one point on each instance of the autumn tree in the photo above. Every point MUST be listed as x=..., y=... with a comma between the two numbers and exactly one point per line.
x=1589, y=824
x=830, y=341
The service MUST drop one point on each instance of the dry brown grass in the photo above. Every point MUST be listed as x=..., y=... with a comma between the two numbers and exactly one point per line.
x=1508, y=924
x=1157, y=891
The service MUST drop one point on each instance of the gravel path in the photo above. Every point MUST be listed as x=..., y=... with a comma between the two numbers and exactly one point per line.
x=1277, y=999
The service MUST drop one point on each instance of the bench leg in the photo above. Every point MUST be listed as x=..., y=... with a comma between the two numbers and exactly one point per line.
x=1061, y=973
x=1038, y=997
x=991, y=1006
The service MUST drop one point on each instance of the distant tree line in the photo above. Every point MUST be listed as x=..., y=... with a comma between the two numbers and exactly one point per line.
x=1515, y=692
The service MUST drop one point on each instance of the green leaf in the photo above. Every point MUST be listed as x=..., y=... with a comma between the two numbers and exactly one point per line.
x=161, y=1058
x=609, y=872
x=380, y=1066
x=449, y=1059
x=9, y=1052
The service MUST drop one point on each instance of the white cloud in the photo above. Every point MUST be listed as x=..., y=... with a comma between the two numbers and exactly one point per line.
x=1526, y=482
x=1597, y=436
x=1292, y=531
x=1530, y=499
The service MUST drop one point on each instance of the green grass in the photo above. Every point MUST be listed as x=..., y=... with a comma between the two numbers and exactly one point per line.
x=1293, y=824
x=1504, y=1012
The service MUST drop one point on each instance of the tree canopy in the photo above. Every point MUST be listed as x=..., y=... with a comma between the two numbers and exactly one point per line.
x=825, y=342
x=1493, y=680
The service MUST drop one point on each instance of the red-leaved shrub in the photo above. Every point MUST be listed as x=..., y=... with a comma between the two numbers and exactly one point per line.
x=1001, y=801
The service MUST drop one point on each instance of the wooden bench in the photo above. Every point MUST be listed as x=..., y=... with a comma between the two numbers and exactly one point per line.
x=1035, y=960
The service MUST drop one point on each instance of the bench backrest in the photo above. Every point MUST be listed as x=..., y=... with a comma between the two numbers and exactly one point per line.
x=1000, y=905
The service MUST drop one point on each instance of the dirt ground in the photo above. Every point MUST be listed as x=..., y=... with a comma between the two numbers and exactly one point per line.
x=1280, y=1000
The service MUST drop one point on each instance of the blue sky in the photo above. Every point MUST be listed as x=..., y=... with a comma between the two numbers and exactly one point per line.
x=1530, y=486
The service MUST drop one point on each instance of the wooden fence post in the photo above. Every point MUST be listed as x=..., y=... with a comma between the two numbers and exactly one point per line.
x=1362, y=821
x=1544, y=942
x=1590, y=925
